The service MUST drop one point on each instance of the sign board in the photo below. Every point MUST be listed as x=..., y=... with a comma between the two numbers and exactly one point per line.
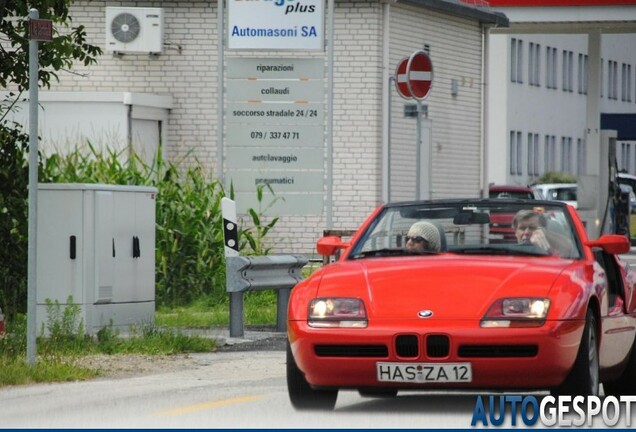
x=276, y=24
x=401, y=79
x=40, y=29
x=419, y=71
x=414, y=76
x=275, y=133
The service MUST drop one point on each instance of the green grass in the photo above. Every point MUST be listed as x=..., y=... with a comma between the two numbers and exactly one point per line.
x=59, y=351
x=259, y=308
x=15, y=371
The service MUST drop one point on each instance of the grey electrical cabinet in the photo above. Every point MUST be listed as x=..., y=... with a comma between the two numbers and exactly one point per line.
x=96, y=243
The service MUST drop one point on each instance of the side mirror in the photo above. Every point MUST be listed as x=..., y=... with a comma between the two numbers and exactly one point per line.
x=611, y=243
x=329, y=245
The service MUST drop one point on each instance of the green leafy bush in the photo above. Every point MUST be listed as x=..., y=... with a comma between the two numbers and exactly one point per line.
x=14, y=180
x=556, y=177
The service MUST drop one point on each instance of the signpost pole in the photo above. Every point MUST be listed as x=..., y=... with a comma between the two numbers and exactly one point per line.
x=418, y=156
x=33, y=195
x=413, y=80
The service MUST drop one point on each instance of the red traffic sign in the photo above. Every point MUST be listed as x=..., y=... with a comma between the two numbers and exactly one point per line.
x=40, y=29
x=401, y=79
x=419, y=71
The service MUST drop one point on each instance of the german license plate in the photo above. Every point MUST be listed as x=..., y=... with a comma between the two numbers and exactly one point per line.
x=424, y=372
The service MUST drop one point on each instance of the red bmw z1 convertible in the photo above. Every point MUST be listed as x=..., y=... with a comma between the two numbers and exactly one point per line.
x=426, y=296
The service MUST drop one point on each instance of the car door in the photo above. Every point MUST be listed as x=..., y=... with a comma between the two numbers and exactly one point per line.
x=617, y=329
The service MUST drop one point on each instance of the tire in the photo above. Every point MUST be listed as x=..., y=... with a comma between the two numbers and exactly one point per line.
x=301, y=395
x=583, y=379
x=626, y=384
x=378, y=392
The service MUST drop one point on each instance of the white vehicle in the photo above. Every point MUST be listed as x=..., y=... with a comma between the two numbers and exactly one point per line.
x=565, y=192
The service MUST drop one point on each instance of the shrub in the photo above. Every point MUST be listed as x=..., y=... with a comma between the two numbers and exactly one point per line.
x=556, y=177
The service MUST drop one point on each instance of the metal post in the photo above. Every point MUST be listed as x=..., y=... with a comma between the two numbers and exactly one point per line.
x=220, y=112
x=281, y=309
x=418, y=155
x=230, y=236
x=330, y=57
x=33, y=197
x=236, y=314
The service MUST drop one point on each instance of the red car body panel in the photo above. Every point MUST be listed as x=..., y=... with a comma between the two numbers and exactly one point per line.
x=460, y=289
x=557, y=349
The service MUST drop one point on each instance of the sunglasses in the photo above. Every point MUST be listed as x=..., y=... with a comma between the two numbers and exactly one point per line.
x=416, y=239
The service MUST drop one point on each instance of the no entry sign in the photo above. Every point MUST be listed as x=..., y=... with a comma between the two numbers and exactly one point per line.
x=414, y=76
x=419, y=71
x=401, y=79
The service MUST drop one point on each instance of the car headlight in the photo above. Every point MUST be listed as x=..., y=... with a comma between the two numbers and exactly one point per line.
x=337, y=312
x=517, y=312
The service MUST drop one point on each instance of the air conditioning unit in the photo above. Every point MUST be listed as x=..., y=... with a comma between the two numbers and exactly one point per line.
x=134, y=30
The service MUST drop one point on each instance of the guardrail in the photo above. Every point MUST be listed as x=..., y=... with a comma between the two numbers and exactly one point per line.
x=245, y=273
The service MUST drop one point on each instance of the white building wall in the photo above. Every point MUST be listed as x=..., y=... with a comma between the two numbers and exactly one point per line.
x=455, y=51
x=187, y=71
x=544, y=111
x=497, y=110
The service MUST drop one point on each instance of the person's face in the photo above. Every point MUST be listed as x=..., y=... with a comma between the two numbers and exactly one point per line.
x=416, y=243
x=526, y=228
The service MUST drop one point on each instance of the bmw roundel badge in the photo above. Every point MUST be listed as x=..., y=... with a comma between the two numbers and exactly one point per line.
x=425, y=313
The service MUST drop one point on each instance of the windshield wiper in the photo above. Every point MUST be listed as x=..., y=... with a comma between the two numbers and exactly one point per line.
x=384, y=252
x=523, y=250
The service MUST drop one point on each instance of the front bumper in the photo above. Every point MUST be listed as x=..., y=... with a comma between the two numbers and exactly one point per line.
x=501, y=358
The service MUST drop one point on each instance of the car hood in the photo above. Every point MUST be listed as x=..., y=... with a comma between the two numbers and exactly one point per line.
x=451, y=286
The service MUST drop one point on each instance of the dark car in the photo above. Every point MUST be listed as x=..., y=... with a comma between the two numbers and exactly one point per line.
x=511, y=192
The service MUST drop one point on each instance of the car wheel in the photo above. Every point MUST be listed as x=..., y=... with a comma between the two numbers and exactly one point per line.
x=626, y=384
x=378, y=392
x=583, y=379
x=301, y=395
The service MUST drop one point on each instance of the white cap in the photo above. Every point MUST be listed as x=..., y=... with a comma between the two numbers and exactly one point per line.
x=428, y=231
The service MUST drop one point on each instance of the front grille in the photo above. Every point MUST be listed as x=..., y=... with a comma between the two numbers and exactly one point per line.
x=351, y=351
x=407, y=346
x=498, y=350
x=437, y=346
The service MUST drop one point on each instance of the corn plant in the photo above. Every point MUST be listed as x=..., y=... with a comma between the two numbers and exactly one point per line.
x=190, y=261
x=254, y=236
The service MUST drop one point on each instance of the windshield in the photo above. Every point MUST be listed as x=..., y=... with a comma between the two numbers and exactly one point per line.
x=511, y=194
x=563, y=194
x=484, y=227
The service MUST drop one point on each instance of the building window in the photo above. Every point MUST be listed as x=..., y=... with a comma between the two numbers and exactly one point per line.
x=512, y=152
x=568, y=59
x=602, y=78
x=516, y=153
x=534, y=64
x=533, y=154
x=551, y=68
x=625, y=157
x=549, y=153
x=580, y=156
x=566, y=154
x=516, y=61
x=582, y=74
x=626, y=87
x=612, y=78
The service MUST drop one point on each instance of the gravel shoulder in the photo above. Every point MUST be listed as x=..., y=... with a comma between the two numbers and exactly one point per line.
x=129, y=365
